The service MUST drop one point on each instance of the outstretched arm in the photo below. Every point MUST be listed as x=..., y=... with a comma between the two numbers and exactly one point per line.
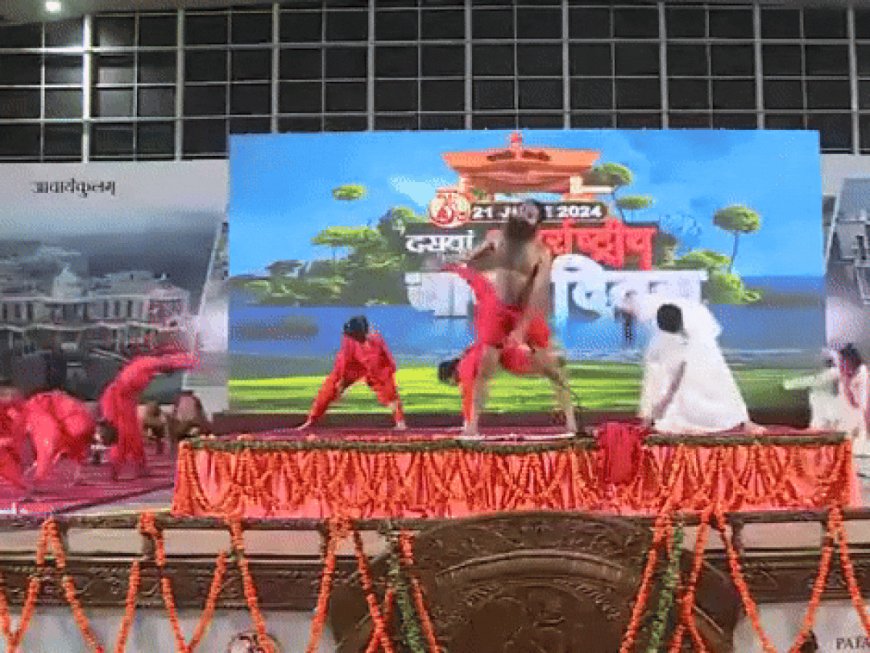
x=386, y=354
x=814, y=381
x=661, y=408
x=486, y=248
x=342, y=358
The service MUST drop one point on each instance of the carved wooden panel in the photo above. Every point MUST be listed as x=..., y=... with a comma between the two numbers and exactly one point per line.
x=527, y=582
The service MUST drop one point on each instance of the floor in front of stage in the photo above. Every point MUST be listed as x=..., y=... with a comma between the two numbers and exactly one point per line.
x=96, y=489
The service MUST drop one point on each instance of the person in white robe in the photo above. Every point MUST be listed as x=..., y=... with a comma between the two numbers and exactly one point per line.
x=687, y=385
x=855, y=385
x=829, y=410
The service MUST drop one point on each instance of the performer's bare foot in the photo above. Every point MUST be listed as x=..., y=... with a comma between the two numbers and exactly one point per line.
x=470, y=433
x=400, y=426
x=305, y=426
x=752, y=428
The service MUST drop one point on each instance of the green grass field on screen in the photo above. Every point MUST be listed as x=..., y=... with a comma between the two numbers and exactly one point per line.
x=600, y=387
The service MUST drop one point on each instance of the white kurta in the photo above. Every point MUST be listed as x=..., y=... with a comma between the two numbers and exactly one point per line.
x=829, y=409
x=707, y=399
x=856, y=416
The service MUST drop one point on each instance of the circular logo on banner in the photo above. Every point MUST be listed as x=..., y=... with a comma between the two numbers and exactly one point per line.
x=449, y=209
x=249, y=642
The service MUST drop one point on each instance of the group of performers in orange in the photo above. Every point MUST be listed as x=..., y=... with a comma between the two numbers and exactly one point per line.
x=509, y=275
x=57, y=425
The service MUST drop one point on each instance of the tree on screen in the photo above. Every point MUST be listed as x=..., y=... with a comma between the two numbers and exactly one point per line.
x=614, y=175
x=349, y=192
x=279, y=271
x=332, y=237
x=634, y=203
x=665, y=249
x=737, y=219
x=722, y=286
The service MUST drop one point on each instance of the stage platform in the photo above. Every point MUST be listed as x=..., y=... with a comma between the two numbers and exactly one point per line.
x=97, y=493
x=521, y=509
x=431, y=473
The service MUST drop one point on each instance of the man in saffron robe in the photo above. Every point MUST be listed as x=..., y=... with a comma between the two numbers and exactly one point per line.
x=363, y=356
x=511, y=314
x=119, y=405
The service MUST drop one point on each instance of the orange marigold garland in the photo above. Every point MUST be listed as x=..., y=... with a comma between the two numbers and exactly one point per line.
x=687, y=603
x=849, y=570
x=818, y=585
x=148, y=526
x=380, y=628
x=388, y=607
x=56, y=544
x=248, y=585
x=337, y=530
x=14, y=638
x=740, y=583
x=129, y=607
x=406, y=548
x=659, y=534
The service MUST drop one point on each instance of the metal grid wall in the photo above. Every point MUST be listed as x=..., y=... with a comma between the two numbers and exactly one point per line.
x=174, y=85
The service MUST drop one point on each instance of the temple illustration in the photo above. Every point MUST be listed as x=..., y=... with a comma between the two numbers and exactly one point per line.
x=49, y=302
x=598, y=257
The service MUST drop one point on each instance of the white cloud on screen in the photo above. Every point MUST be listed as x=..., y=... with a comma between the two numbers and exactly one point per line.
x=419, y=191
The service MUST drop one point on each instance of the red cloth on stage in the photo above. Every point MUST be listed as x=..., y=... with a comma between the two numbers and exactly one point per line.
x=13, y=435
x=119, y=402
x=60, y=425
x=620, y=445
x=369, y=361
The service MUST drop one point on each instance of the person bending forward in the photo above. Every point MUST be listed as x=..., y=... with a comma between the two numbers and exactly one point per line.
x=687, y=386
x=363, y=356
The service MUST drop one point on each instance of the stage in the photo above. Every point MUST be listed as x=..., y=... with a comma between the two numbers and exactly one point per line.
x=281, y=521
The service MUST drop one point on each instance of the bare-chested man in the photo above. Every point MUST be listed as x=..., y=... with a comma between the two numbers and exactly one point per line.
x=521, y=266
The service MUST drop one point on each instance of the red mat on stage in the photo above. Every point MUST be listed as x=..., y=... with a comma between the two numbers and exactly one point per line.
x=58, y=495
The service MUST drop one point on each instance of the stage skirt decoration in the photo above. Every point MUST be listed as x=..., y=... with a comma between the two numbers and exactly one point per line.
x=412, y=477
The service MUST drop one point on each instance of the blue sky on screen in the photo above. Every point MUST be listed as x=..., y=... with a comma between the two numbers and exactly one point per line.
x=281, y=185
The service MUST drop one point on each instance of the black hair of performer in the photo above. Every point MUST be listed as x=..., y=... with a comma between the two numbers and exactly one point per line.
x=851, y=357
x=363, y=356
x=448, y=371
x=357, y=328
x=669, y=318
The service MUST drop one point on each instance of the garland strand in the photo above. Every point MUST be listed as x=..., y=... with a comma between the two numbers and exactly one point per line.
x=406, y=548
x=14, y=637
x=248, y=586
x=129, y=607
x=55, y=543
x=412, y=635
x=668, y=593
x=849, y=570
x=336, y=531
x=378, y=624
